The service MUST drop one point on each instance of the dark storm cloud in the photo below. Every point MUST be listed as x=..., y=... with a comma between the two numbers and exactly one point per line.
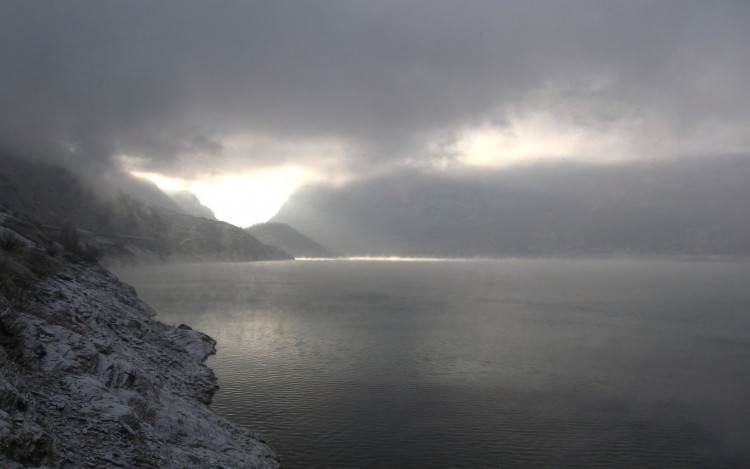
x=168, y=81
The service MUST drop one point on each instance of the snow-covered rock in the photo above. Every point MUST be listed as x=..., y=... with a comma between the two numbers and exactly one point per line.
x=88, y=377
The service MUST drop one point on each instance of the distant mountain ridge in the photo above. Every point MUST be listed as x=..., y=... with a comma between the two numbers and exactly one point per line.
x=289, y=239
x=690, y=206
x=191, y=205
x=125, y=229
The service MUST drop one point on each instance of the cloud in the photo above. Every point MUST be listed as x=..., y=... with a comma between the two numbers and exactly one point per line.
x=175, y=85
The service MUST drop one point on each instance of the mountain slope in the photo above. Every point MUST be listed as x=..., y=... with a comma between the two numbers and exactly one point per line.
x=189, y=204
x=690, y=206
x=289, y=239
x=124, y=228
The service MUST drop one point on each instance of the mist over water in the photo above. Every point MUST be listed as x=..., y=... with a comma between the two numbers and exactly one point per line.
x=475, y=363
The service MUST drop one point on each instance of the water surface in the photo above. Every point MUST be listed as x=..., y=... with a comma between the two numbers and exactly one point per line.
x=475, y=363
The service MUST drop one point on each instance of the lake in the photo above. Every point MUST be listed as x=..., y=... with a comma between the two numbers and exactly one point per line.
x=487, y=363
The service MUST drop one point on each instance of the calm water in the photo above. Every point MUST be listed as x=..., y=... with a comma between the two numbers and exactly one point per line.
x=475, y=363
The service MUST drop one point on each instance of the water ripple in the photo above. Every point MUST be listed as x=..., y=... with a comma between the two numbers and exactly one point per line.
x=476, y=364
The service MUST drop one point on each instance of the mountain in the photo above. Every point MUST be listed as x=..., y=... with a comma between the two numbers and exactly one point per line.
x=142, y=190
x=123, y=228
x=88, y=377
x=189, y=204
x=691, y=206
x=149, y=193
x=289, y=239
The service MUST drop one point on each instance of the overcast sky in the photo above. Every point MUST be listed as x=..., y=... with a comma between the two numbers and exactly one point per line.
x=271, y=95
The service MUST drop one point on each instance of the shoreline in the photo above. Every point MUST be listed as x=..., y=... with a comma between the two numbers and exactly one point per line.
x=89, y=377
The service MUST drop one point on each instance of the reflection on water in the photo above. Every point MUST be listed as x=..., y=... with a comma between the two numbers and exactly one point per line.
x=475, y=363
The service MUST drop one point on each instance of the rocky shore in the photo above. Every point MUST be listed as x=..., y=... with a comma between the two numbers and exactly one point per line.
x=88, y=377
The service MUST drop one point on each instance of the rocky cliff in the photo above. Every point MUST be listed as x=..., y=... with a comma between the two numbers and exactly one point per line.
x=88, y=377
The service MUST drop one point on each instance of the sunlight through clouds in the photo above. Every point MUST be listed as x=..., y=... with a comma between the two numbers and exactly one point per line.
x=243, y=199
x=535, y=138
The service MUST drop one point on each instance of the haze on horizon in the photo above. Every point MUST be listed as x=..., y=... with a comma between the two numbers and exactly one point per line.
x=244, y=102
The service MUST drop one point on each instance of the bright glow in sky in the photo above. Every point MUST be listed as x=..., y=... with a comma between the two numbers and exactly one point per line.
x=244, y=197
x=244, y=200
x=240, y=199
x=250, y=197
x=530, y=139
x=540, y=137
x=254, y=195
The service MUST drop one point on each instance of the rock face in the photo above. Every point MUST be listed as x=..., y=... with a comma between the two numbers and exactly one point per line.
x=88, y=378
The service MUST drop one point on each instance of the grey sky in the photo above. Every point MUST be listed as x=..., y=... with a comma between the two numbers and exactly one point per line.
x=177, y=83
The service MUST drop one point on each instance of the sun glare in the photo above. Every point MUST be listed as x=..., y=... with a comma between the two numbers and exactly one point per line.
x=244, y=200
x=241, y=200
